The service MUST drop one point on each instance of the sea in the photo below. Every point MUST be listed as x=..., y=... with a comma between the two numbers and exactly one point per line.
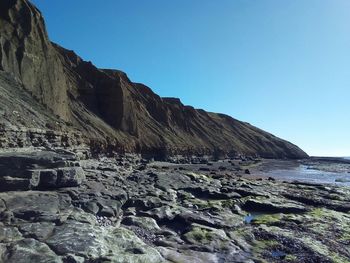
x=306, y=173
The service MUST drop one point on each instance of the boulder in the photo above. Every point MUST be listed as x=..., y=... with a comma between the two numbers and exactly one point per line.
x=70, y=176
x=48, y=178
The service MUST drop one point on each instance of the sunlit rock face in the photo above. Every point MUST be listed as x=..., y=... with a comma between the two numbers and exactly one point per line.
x=110, y=109
x=26, y=52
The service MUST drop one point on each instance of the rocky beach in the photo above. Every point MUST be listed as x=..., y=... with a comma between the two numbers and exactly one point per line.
x=95, y=168
x=61, y=206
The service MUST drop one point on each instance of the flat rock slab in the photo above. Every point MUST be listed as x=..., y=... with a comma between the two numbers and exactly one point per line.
x=28, y=250
x=39, y=170
x=274, y=205
x=94, y=243
x=25, y=160
x=37, y=206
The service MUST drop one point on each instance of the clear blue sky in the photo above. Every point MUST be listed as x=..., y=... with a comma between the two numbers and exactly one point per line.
x=283, y=66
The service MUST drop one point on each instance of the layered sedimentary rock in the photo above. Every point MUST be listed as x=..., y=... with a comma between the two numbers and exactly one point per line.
x=26, y=52
x=107, y=107
x=129, y=210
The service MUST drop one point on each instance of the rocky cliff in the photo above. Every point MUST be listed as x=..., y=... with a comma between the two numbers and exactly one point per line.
x=107, y=107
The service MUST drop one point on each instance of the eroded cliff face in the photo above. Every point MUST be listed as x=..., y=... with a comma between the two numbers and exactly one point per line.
x=107, y=107
x=26, y=51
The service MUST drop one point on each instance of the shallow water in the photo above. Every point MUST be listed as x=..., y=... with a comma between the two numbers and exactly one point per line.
x=252, y=215
x=278, y=254
x=305, y=174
